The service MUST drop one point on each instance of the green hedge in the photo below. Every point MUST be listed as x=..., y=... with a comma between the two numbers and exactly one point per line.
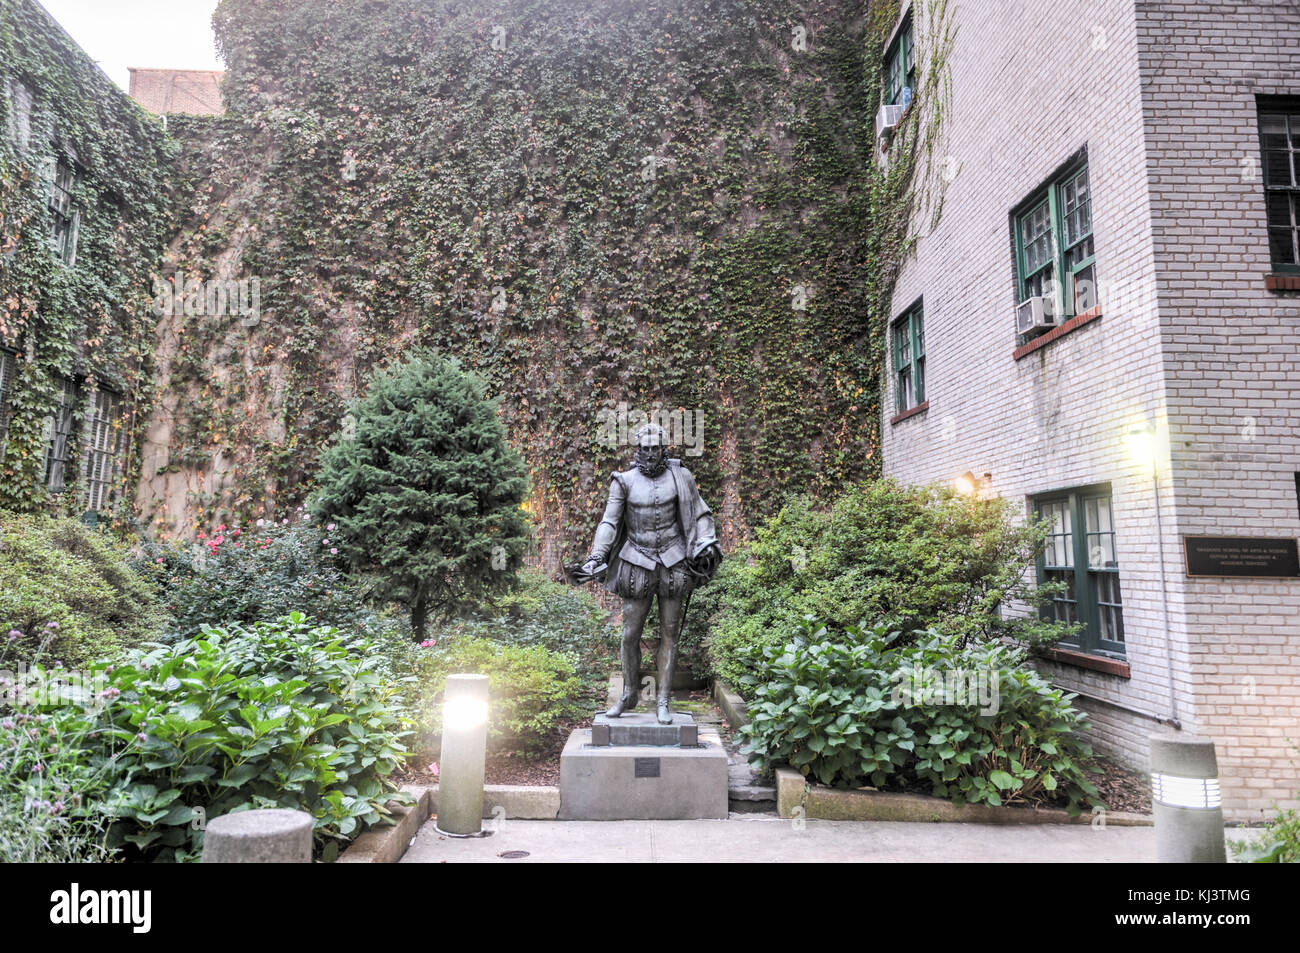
x=281, y=714
x=973, y=724
x=912, y=557
x=70, y=593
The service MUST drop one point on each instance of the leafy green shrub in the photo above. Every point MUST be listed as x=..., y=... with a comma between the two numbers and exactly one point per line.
x=256, y=573
x=970, y=722
x=557, y=617
x=533, y=693
x=1278, y=844
x=282, y=714
x=913, y=557
x=70, y=592
x=59, y=788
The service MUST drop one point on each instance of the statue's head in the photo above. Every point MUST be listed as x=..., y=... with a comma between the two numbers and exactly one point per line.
x=651, y=450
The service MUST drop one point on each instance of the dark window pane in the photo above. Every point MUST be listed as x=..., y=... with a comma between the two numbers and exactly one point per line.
x=1273, y=132
x=1041, y=283
x=1281, y=246
x=1077, y=207
x=1277, y=169
x=1085, y=290
x=1279, y=209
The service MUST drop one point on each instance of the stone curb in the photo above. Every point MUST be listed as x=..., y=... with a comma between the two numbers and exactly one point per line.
x=386, y=845
x=732, y=705
x=831, y=804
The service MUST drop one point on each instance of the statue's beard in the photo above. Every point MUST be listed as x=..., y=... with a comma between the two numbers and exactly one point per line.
x=651, y=469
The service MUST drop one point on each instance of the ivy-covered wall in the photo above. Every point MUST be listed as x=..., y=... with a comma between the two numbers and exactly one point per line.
x=656, y=203
x=90, y=322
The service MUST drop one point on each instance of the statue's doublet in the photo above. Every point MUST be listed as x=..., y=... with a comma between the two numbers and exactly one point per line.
x=654, y=532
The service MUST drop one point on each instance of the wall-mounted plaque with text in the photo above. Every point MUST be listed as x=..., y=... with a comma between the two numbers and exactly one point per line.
x=1241, y=556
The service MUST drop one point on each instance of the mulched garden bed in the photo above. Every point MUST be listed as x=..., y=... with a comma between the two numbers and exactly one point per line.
x=1122, y=789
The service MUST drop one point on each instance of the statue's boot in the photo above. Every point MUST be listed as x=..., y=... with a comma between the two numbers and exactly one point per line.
x=630, y=655
x=627, y=702
x=670, y=617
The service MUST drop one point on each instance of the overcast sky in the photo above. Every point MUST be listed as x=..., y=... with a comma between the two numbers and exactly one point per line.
x=118, y=34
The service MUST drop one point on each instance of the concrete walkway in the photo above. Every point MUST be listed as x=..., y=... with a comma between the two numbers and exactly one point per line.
x=754, y=838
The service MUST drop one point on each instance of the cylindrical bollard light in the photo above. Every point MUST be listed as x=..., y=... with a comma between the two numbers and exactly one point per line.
x=1185, y=800
x=268, y=836
x=464, y=752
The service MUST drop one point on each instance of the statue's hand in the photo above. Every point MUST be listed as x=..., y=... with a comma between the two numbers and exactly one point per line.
x=708, y=560
x=589, y=571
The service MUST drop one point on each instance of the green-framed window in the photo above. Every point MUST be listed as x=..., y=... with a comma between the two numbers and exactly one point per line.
x=66, y=218
x=101, y=456
x=900, y=66
x=21, y=100
x=1080, y=552
x=1279, y=143
x=58, y=440
x=8, y=371
x=908, y=334
x=1055, y=254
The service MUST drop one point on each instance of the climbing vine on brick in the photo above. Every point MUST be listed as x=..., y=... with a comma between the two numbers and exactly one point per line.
x=92, y=320
x=666, y=204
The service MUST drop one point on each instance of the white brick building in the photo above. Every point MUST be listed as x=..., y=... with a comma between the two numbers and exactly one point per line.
x=1122, y=142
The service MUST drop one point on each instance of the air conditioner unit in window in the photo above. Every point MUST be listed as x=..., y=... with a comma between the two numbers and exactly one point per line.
x=888, y=118
x=1033, y=314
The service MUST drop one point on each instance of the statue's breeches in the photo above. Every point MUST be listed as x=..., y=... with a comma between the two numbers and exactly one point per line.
x=637, y=582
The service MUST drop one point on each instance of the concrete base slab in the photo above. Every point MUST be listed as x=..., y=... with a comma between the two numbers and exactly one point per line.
x=642, y=783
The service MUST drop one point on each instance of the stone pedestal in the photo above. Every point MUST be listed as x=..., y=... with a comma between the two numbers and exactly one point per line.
x=643, y=728
x=643, y=781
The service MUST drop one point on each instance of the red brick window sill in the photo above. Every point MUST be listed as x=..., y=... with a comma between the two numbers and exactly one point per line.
x=1096, y=663
x=918, y=409
x=1282, y=282
x=1078, y=321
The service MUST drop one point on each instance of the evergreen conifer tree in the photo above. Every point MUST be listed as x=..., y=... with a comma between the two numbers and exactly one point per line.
x=423, y=490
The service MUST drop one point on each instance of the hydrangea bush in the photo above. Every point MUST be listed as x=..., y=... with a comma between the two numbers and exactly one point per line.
x=861, y=707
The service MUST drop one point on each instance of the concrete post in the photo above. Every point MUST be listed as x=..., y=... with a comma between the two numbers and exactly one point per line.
x=464, y=752
x=269, y=836
x=1185, y=800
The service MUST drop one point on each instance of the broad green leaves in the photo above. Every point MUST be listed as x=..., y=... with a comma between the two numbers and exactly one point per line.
x=829, y=706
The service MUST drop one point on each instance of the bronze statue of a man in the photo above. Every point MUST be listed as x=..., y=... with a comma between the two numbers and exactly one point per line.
x=657, y=537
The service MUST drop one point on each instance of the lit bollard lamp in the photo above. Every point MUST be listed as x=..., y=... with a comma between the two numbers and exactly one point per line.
x=1185, y=799
x=464, y=751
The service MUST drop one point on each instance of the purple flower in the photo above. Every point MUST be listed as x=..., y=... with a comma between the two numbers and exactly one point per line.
x=14, y=635
x=330, y=527
x=334, y=551
x=51, y=624
x=141, y=737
